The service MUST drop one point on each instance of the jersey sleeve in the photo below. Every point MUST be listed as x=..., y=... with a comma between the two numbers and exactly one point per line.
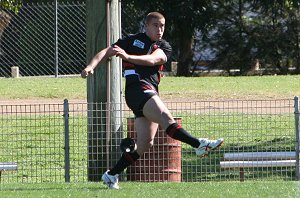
x=123, y=42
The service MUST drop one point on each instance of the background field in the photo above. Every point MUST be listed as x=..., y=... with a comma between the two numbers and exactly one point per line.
x=171, y=88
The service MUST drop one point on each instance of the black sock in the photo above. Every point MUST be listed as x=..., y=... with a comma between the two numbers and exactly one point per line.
x=176, y=132
x=126, y=160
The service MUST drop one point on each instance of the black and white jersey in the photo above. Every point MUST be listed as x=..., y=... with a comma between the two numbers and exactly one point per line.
x=141, y=44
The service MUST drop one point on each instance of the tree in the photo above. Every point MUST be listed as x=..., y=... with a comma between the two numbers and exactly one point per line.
x=279, y=27
x=248, y=30
x=12, y=5
x=183, y=19
x=230, y=36
x=8, y=7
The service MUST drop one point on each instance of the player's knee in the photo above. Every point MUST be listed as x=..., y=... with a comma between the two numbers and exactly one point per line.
x=148, y=144
x=151, y=143
x=143, y=146
x=167, y=119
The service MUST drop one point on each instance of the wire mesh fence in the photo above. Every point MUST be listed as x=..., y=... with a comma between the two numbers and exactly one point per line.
x=71, y=141
x=32, y=136
x=49, y=39
x=44, y=39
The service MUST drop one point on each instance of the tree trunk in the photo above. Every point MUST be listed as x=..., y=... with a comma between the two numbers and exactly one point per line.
x=185, y=57
x=4, y=22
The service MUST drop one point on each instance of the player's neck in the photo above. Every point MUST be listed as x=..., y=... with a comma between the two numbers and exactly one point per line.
x=149, y=37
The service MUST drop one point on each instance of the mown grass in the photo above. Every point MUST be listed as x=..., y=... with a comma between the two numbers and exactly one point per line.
x=203, y=88
x=250, y=189
x=42, y=88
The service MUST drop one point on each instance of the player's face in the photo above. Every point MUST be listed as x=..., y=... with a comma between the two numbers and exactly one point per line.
x=155, y=29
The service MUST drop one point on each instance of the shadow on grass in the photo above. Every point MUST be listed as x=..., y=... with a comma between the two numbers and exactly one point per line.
x=53, y=186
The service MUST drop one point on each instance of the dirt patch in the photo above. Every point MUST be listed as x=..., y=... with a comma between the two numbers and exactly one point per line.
x=180, y=104
x=37, y=101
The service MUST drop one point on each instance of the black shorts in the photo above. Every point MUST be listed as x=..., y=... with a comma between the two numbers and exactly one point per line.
x=137, y=93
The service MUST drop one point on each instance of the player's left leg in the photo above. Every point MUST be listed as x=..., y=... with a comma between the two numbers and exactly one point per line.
x=146, y=131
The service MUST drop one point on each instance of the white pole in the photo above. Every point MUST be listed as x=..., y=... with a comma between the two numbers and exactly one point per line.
x=108, y=86
x=115, y=85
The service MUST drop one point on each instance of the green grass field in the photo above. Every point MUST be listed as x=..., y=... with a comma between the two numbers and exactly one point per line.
x=140, y=190
x=172, y=88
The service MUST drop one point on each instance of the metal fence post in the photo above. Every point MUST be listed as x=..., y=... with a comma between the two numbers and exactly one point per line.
x=67, y=139
x=56, y=39
x=296, y=100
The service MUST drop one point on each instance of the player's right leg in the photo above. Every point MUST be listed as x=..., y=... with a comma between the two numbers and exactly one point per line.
x=156, y=111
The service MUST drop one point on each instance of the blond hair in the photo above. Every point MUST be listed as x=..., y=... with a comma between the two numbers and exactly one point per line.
x=153, y=15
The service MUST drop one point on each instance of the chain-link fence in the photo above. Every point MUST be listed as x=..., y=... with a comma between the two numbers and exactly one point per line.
x=51, y=142
x=48, y=39
x=43, y=39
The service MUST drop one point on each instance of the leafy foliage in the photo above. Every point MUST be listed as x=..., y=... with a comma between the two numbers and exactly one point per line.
x=183, y=18
x=12, y=5
x=240, y=33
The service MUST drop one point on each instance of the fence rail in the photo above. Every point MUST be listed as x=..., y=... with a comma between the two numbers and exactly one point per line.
x=50, y=142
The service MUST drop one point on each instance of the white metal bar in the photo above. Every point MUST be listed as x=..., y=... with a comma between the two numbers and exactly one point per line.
x=8, y=166
x=260, y=156
x=243, y=164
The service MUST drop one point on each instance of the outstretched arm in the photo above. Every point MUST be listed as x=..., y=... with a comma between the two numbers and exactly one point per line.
x=157, y=57
x=98, y=58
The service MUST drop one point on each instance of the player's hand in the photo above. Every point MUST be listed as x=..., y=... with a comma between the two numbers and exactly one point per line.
x=87, y=71
x=120, y=52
